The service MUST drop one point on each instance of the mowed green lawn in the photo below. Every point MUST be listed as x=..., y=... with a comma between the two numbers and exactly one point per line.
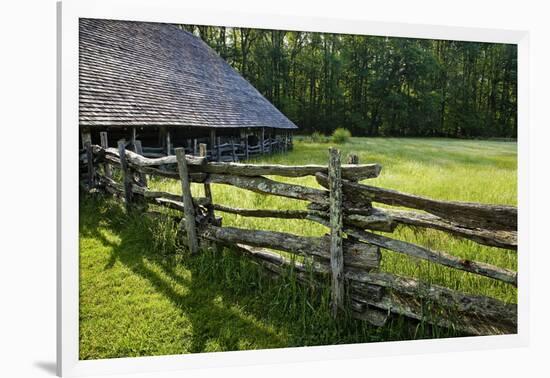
x=141, y=295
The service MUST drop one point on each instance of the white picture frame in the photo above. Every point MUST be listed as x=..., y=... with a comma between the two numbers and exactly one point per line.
x=68, y=363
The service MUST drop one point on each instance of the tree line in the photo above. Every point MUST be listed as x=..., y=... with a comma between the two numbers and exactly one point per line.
x=377, y=86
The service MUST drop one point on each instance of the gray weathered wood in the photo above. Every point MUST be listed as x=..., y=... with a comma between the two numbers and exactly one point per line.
x=352, y=172
x=233, y=152
x=218, y=150
x=475, y=315
x=139, y=150
x=360, y=255
x=266, y=186
x=437, y=257
x=336, y=234
x=168, y=143
x=353, y=159
x=207, y=188
x=493, y=217
x=189, y=210
x=262, y=138
x=126, y=174
x=264, y=213
x=493, y=238
x=105, y=144
x=142, y=161
x=376, y=219
x=213, y=143
x=474, y=305
x=90, y=164
x=86, y=137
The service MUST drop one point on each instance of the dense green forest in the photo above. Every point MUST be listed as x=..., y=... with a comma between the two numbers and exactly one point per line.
x=377, y=86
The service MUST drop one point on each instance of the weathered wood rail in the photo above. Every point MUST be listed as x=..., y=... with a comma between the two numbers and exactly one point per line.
x=350, y=252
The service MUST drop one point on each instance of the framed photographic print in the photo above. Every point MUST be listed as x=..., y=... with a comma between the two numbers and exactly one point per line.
x=274, y=188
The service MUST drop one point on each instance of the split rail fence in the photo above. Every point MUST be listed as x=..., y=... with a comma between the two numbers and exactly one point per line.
x=350, y=253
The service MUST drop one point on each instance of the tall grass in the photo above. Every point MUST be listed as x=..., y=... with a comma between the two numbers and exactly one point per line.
x=142, y=295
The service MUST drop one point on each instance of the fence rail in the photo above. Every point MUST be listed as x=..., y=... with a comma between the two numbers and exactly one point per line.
x=350, y=253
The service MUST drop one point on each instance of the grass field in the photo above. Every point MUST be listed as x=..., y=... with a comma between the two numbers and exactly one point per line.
x=141, y=295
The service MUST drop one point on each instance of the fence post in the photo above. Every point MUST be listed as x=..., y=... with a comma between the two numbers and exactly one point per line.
x=139, y=150
x=353, y=159
x=188, y=208
x=105, y=144
x=127, y=180
x=207, y=188
x=336, y=243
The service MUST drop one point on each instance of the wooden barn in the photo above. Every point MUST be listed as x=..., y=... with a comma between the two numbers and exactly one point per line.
x=165, y=87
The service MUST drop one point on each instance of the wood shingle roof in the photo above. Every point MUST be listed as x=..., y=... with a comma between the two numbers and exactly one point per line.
x=152, y=74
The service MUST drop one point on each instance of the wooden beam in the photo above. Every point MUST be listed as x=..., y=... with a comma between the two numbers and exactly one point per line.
x=437, y=257
x=493, y=238
x=267, y=186
x=262, y=137
x=126, y=176
x=234, y=154
x=139, y=150
x=352, y=172
x=189, y=209
x=105, y=144
x=168, y=143
x=213, y=143
x=142, y=161
x=359, y=255
x=336, y=234
x=493, y=217
x=90, y=158
x=246, y=152
x=207, y=188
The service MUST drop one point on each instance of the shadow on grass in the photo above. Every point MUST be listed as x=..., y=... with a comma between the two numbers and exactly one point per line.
x=205, y=303
x=228, y=300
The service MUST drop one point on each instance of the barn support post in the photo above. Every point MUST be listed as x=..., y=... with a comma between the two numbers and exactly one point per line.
x=126, y=176
x=336, y=233
x=246, y=152
x=190, y=147
x=133, y=137
x=233, y=152
x=139, y=150
x=86, y=137
x=188, y=208
x=195, y=147
x=262, y=136
x=104, y=139
x=90, y=159
x=218, y=150
x=207, y=188
x=162, y=137
x=168, y=143
x=213, y=143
